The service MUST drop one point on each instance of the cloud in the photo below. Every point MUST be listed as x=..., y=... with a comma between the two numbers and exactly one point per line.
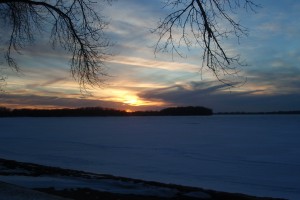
x=281, y=74
x=46, y=83
x=156, y=64
x=136, y=74
x=32, y=101
x=220, y=99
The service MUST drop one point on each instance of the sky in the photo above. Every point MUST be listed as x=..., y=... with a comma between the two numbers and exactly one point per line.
x=141, y=80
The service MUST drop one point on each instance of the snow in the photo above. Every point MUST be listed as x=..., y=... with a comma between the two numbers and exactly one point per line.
x=255, y=155
x=12, y=192
x=198, y=195
x=104, y=185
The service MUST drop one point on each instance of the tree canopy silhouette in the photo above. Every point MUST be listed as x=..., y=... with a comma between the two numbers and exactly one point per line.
x=78, y=27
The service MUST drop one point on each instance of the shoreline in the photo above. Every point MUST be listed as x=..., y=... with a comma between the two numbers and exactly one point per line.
x=76, y=184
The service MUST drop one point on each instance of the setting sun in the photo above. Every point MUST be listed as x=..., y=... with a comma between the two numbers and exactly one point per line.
x=131, y=100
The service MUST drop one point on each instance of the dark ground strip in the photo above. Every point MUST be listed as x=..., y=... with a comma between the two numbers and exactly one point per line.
x=14, y=168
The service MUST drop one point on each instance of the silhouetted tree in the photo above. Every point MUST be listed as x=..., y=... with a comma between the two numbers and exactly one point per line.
x=184, y=111
x=204, y=23
x=77, y=26
x=99, y=111
x=4, y=112
x=74, y=25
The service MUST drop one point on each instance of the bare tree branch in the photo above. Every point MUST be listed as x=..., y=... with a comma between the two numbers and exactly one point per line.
x=74, y=25
x=204, y=23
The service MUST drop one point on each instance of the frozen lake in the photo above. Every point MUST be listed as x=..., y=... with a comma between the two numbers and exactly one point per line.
x=256, y=155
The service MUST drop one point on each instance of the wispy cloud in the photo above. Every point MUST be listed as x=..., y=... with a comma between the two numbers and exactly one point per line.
x=170, y=66
x=36, y=101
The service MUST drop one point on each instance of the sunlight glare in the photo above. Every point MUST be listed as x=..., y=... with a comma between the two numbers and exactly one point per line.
x=131, y=100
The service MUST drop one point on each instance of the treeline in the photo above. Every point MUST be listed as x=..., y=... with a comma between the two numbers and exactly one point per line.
x=176, y=111
x=65, y=112
x=99, y=111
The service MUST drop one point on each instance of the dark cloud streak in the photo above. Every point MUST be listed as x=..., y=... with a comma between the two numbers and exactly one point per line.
x=221, y=100
x=53, y=101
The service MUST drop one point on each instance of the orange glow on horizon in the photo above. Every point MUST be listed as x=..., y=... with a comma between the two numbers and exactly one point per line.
x=128, y=98
x=132, y=100
x=136, y=101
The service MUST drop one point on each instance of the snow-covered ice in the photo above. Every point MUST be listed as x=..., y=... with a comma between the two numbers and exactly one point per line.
x=256, y=155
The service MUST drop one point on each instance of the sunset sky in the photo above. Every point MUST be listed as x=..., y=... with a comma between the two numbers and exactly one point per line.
x=141, y=80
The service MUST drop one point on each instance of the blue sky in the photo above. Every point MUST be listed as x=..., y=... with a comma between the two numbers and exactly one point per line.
x=142, y=80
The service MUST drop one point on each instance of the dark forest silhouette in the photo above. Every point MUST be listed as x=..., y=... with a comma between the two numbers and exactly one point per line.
x=99, y=111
